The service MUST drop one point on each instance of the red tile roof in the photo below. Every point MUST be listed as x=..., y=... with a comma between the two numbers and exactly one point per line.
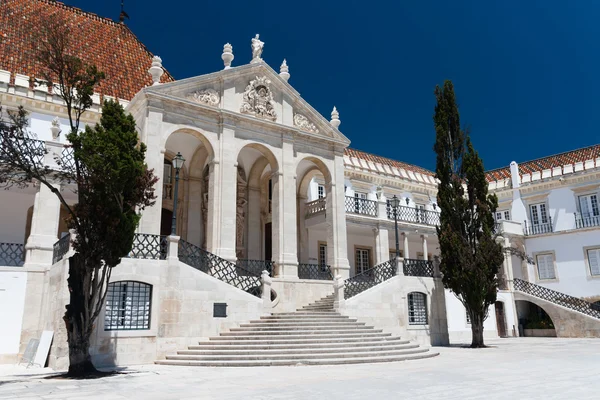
x=558, y=160
x=387, y=161
x=110, y=45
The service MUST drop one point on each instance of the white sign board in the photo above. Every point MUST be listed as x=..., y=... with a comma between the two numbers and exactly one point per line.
x=43, y=348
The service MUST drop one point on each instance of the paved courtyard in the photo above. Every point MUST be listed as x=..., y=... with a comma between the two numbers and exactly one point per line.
x=524, y=368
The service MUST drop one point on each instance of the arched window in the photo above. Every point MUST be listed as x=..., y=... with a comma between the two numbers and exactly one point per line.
x=127, y=306
x=417, y=308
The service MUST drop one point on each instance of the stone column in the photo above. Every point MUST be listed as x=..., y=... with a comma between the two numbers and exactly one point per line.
x=44, y=227
x=173, y=250
x=213, y=213
x=382, y=245
x=285, y=252
x=225, y=201
x=508, y=269
x=302, y=232
x=337, y=245
x=405, y=241
x=424, y=239
x=254, y=238
x=155, y=155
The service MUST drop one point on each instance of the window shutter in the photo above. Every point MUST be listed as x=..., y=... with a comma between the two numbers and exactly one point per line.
x=594, y=261
x=545, y=266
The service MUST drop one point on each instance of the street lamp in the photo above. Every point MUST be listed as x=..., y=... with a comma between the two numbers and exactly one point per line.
x=395, y=203
x=178, y=162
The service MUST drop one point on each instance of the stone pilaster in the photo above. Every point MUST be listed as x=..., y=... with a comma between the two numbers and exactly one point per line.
x=424, y=241
x=226, y=185
x=155, y=154
x=44, y=228
x=405, y=241
x=382, y=244
x=337, y=245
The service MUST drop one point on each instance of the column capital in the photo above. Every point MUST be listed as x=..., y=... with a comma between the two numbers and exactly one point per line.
x=424, y=235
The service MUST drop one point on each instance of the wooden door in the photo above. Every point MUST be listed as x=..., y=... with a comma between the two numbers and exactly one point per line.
x=500, y=319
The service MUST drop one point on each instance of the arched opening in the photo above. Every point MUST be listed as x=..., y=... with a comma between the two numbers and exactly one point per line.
x=315, y=233
x=192, y=187
x=255, y=197
x=534, y=320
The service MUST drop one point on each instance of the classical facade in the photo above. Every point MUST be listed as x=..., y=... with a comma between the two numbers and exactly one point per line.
x=275, y=213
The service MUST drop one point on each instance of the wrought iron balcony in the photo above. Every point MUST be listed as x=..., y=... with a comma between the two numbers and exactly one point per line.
x=255, y=267
x=539, y=228
x=315, y=271
x=369, y=278
x=418, y=267
x=60, y=248
x=415, y=215
x=148, y=246
x=315, y=207
x=32, y=151
x=12, y=254
x=586, y=220
x=357, y=205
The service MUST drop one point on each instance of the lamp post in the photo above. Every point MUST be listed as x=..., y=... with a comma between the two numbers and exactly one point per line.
x=178, y=162
x=395, y=203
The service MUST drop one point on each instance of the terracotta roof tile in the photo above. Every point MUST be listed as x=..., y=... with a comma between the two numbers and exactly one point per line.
x=110, y=45
x=557, y=160
x=387, y=161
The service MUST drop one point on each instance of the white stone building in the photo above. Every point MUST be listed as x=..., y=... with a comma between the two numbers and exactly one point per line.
x=269, y=184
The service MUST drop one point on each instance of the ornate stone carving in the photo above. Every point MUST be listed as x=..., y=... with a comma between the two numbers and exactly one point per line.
x=303, y=123
x=257, y=49
x=55, y=128
x=205, y=96
x=258, y=99
x=240, y=207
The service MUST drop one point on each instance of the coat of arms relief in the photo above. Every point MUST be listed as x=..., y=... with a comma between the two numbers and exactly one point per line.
x=258, y=99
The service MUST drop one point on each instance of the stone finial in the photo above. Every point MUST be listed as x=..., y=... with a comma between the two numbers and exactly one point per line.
x=156, y=70
x=335, y=118
x=227, y=55
x=284, y=71
x=55, y=128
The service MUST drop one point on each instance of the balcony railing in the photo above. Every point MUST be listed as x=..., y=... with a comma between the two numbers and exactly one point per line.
x=418, y=267
x=255, y=267
x=586, y=220
x=315, y=207
x=415, y=215
x=357, y=205
x=32, y=151
x=315, y=271
x=60, y=248
x=153, y=247
x=369, y=278
x=539, y=228
x=12, y=254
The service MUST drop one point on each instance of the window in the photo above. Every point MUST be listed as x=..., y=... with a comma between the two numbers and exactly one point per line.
x=127, y=306
x=322, y=253
x=593, y=256
x=167, y=179
x=588, y=206
x=363, y=258
x=503, y=215
x=320, y=191
x=468, y=317
x=393, y=254
x=507, y=215
x=358, y=204
x=420, y=212
x=545, y=266
x=539, y=214
x=417, y=308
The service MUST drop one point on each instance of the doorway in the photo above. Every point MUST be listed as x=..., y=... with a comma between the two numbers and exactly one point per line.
x=166, y=219
x=500, y=319
x=268, y=241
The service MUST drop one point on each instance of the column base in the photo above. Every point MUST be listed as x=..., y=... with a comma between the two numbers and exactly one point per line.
x=286, y=270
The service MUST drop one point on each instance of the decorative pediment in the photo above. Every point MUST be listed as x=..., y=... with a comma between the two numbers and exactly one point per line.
x=206, y=96
x=300, y=121
x=258, y=99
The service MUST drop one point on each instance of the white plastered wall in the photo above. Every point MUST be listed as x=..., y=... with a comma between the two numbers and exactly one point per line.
x=12, y=303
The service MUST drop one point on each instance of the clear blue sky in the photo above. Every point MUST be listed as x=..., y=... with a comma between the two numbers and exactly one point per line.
x=526, y=72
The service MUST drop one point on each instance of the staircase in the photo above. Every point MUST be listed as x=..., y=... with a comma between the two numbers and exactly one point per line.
x=313, y=335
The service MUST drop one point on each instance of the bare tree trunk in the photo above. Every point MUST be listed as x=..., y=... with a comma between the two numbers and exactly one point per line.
x=77, y=318
x=477, y=331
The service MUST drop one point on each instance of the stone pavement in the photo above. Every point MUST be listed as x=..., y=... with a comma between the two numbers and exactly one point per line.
x=523, y=368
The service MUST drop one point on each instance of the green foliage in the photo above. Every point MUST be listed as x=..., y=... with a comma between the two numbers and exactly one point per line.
x=114, y=184
x=470, y=255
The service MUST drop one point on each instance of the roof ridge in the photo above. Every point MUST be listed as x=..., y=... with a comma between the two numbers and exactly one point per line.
x=391, y=159
x=80, y=11
x=557, y=154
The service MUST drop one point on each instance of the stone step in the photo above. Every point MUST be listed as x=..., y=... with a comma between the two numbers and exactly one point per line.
x=325, y=361
x=298, y=335
x=303, y=320
x=244, y=350
x=298, y=327
x=302, y=323
x=291, y=332
x=282, y=340
x=303, y=317
x=316, y=309
x=308, y=313
x=310, y=356
x=309, y=345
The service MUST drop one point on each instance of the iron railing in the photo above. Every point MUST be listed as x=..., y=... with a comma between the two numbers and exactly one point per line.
x=12, y=254
x=555, y=297
x=219, y=268
x=357, y=205
x=369, y=278
x=31, y=150
x=586, y=220
x=539, y=228
x=414, y=215
x=60, y=248
x=418, y=267
x=255, y=267
x=148, y=246
x=315, y=271
x=315, y=207
x=67, y=159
